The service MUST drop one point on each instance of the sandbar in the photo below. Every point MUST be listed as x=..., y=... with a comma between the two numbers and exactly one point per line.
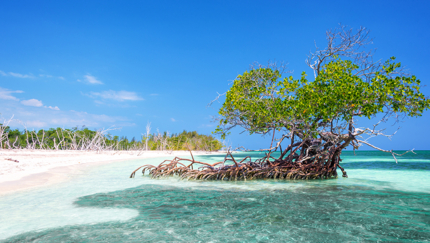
x=22, y=169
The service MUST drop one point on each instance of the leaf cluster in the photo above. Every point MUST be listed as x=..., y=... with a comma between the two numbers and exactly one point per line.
x=261, y=99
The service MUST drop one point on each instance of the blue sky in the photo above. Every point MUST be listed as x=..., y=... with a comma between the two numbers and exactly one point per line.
x=126, y=63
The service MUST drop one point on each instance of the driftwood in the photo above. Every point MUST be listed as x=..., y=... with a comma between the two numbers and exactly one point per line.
x=315, y=164
x=13, y=160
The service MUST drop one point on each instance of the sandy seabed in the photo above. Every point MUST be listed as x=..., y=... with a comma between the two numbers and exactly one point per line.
x=45, y=167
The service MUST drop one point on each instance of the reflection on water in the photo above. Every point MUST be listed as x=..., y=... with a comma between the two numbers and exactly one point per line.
x=368, y=206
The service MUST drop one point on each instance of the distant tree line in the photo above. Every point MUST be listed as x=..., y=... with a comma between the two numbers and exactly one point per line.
x=87, y=139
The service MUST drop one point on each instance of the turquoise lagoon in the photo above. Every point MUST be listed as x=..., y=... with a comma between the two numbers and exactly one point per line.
x=380, y=201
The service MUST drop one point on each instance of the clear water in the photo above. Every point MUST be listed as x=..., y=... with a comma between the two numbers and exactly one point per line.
x=380, y=201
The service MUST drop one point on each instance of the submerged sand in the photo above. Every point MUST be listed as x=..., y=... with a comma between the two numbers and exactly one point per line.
x=45, y=167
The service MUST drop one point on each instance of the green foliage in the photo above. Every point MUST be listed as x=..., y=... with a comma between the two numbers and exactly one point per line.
x=183, y=140
x=74, y=138
x=261, y=99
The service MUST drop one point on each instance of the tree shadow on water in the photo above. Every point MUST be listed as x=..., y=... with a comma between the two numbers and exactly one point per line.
x=320, y=214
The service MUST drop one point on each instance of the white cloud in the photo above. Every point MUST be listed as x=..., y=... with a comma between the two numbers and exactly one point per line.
x=50, y=76
x=38, y=103
x=45, y=76
x=32, y=102
x=116, y=95
x=5, y=94
x=18, y=75
x=52, y=108
x=172, y=119
x=34, y=117
x=153, y=94
x=90, y=79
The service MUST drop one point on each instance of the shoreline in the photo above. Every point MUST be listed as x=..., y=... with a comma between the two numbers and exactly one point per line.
x=38, y=168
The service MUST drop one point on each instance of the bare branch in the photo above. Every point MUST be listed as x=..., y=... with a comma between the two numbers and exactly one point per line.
x=386, y=151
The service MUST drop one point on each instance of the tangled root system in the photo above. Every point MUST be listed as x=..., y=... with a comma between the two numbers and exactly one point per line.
x=320, y=165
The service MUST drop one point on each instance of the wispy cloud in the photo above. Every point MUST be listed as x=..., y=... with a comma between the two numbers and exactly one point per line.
x=50, y=76
x=18, y=75
x=109, y=104
x=45, y=76
x=52, y=108
x=38, y=103
x=116, y=95
x=38, y=117
x=153, y=94
x=90, y=80
x=32, y=102
x=172, y=119
x=5, y=94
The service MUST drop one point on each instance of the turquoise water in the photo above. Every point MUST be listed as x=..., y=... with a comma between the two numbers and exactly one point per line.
x=380, y=201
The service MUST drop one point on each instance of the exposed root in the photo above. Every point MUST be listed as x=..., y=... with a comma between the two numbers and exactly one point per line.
x=319, y=165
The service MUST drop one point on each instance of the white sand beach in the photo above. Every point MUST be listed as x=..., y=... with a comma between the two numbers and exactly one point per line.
x=24, y=169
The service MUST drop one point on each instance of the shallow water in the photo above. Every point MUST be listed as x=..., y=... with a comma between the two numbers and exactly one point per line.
x=381, y=200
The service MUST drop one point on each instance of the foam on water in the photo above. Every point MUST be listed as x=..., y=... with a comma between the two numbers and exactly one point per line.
x=377, y=202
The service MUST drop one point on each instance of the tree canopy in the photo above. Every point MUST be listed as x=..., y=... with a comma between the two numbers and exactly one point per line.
x=261, y=100
x=347, y=84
